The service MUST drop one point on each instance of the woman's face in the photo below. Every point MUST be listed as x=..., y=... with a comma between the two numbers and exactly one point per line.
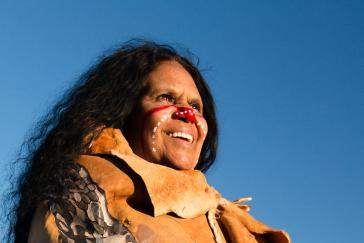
x=170, y=128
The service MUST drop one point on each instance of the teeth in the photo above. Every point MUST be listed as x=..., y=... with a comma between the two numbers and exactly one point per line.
x=181, y=135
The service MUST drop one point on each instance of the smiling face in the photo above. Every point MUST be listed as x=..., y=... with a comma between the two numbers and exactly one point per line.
x=169, y=128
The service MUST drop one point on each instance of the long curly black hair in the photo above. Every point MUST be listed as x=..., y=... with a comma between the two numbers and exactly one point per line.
x=104, y=96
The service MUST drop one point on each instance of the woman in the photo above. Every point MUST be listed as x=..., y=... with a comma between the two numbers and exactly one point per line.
x=119, y=159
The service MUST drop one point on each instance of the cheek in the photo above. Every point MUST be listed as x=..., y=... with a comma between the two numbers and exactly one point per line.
x=154, y=129
x=202, y=126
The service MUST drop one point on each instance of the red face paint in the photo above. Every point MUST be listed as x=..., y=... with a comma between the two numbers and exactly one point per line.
x=151, y=111
x=183, y=113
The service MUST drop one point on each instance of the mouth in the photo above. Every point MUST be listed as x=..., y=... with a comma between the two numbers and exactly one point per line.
x=181, y=135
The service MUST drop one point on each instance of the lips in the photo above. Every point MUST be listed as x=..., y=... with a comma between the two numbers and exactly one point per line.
x=182, y=135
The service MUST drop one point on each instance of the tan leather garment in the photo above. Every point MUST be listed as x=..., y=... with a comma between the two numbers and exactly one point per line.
x=157, y=203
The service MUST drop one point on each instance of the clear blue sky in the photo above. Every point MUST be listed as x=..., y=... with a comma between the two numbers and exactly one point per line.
x=288, y=78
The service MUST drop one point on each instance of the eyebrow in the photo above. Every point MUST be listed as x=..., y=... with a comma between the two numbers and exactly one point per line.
x=169, y=90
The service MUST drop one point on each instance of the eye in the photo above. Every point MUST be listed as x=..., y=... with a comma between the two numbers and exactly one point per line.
x=166, y=98
x=196, y=107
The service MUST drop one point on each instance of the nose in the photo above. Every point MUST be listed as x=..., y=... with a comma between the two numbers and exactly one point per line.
x=184, y=113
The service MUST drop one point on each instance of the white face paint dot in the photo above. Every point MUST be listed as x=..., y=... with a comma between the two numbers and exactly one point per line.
x=154, y=150
x=158, y=124
x=154, y=129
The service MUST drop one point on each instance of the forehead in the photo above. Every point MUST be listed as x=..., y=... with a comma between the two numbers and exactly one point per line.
x=171, y=76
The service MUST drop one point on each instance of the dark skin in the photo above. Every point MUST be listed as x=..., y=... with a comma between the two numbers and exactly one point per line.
x=163, y=138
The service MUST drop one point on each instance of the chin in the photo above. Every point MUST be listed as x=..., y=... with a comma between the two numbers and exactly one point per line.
x=183, y=164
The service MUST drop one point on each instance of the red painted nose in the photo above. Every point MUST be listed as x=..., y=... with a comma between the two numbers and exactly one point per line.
x=184, y=113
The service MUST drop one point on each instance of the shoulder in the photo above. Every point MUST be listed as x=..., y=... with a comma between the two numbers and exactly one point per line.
x=241, y=225
x=80, y=214
x=43, y=228
x=109, y=173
